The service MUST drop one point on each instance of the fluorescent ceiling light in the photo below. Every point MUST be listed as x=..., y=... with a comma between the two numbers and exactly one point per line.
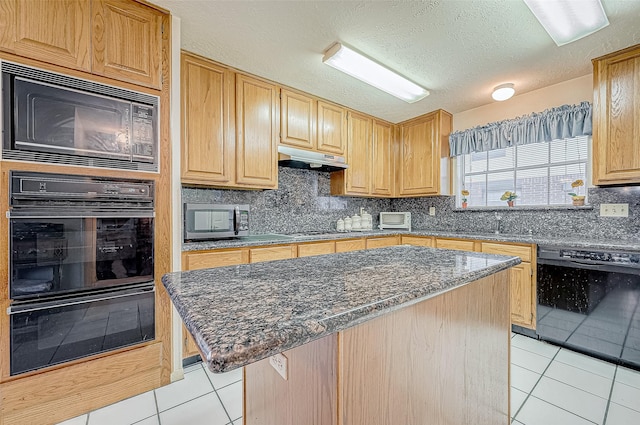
x=503, y=92
x=567, y=20
x=353, y=63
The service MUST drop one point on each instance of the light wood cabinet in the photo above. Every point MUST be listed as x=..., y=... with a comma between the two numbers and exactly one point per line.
x=316, y=248
x=358, y=175
x=457, y=244
x=256, y=133
x=298, y=122
x=332, y=128
x=350, y=245
x=523, y=281
x=423, y=142
x=126, y=42
x=271, y=253
x=616, y=117
x=417, y=240
x=49, y=31
x=382, y=241
x=382, y=159
x=208, y=139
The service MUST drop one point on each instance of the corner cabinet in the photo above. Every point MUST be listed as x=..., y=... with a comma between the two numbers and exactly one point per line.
x=616, y=117
x=423, y=142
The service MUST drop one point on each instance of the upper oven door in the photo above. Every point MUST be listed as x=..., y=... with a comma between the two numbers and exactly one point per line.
x=59, y=255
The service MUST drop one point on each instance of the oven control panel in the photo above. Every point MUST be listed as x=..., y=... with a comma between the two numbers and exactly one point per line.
x=601, y=256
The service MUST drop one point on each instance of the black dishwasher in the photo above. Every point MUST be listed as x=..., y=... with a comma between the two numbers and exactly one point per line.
x=589, y=301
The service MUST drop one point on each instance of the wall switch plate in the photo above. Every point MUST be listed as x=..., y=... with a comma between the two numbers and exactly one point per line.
x=279, y=363
x=614, y=210
x=432, y=210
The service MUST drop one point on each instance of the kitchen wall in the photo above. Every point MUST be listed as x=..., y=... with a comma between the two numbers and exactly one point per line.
x=583, y=221
x=302, y=203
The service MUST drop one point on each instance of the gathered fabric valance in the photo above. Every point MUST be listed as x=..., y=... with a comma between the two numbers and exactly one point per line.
x=563, y=122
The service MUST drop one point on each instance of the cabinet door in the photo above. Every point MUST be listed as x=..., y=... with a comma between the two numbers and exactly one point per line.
x=298, y=120
x=51, y=31
x=350, y=245
x=207, y=122
x=256, y=133
x=189, y=347
x=419, y=160
x=127, y=42
x=204, y=260
x=522, y=296
x=332, y=134
x=382, y=242
x=273, y=253
x=417, y=241
x=461, y=245
x=616, y=118
x=316, y=248
x=358, y=175
x=382, y=159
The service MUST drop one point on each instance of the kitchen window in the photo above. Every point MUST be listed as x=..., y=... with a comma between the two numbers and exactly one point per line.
x=540, y=173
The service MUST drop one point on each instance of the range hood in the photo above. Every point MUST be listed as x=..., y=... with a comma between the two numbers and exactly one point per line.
x=309, y=160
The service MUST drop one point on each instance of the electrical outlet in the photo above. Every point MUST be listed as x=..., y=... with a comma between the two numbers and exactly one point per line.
x=614, y=210
x=432, y=210
x=279, y=363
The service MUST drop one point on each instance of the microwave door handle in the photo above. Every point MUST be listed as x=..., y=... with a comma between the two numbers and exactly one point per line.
x=236, y=219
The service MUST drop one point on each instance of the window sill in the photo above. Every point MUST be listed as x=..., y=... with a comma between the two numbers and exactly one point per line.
x=526, y=208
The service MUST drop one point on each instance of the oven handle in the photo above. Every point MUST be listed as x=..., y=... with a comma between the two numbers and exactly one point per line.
x=26, y=308
x=236, y=219
x=622, y=268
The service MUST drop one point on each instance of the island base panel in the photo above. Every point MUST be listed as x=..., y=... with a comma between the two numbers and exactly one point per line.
x=445, y=360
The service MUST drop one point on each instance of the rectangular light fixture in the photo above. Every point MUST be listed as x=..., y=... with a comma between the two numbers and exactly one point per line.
x=567, y=20
x=353, y=63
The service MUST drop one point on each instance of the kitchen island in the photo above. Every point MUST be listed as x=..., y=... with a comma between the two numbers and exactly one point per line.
x=398, y=335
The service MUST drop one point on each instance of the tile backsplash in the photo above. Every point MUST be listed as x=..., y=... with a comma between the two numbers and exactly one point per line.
x=303, y=203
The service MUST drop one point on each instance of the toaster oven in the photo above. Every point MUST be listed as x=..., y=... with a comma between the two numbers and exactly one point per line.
x=395, y=220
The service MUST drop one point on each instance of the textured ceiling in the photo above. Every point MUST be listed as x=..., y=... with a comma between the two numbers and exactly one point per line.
x=458, y=50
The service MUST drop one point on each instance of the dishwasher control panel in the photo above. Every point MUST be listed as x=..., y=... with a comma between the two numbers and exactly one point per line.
x=601, y=256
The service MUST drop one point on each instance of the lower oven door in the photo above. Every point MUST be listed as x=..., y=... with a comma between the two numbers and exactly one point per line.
x=47, y=333
x=590, y=308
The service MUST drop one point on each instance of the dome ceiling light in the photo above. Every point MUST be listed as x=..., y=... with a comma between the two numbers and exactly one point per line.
x=503, y=92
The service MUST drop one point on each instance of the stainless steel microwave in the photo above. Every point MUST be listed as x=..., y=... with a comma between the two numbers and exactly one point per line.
x=54, y=118
x=215, y=221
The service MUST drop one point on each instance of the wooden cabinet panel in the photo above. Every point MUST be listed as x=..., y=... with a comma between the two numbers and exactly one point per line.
x=127, y=42
x=51, y=31
x=462, y=245
x=272, y=253
x=189, y=347
x=616, y=118
x=207, y=122
x=350, y=245
x=256, y=133
x=417, y=241
x=298, y=119
x=382, y=242
x=522, y=296
x=358, y=175
x=316, y=248
x=196, y=260
x=524, y=252
x=423, y=141
x=332, y=128
x=382, y=169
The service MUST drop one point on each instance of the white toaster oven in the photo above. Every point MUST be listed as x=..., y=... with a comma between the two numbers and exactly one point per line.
x=395, y=220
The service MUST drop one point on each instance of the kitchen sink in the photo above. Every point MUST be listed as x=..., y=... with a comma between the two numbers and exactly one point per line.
x=267, y=237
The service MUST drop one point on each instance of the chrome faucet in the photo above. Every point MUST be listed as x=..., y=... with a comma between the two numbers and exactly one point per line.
x=497, y=226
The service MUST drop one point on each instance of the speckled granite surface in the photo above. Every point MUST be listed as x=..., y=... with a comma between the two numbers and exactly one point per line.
x=241, y=314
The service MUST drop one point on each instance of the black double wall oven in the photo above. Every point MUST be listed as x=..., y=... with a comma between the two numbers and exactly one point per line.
x=81, y=278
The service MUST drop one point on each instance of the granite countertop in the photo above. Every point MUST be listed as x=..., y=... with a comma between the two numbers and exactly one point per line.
x=578, y=241
x=241, y=314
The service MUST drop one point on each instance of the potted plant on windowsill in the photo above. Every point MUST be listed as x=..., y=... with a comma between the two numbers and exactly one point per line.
x=578, y=200
x=509, y=197
x=464, y=194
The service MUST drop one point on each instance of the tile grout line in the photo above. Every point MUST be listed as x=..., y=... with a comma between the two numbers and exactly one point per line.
x=613, y=383
x=562, y=408
x=155, y=399
x=217, y=395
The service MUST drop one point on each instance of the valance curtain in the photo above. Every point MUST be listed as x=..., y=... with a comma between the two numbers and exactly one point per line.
x=563, y=122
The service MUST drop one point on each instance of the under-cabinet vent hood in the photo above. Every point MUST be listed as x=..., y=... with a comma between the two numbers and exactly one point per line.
x=309, y=160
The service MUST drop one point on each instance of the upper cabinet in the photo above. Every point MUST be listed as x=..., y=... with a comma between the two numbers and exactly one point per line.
x=208, y=138
x=229, y=127
x=382, y=158
x=358, y=175
x=127, y=42
x=423, y=142
x=256, y=133
x=49, y=31
x=119, y=39
x=616, y=117
x=312, y=124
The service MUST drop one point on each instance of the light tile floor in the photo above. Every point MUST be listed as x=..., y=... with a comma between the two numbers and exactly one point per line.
x=549, y=386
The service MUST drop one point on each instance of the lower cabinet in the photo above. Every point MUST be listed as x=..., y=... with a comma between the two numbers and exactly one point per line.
x=457, y=244
x=350, y=245
x=382, y=242
x=418, y=241
x=271, y=253
x=316, y=248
